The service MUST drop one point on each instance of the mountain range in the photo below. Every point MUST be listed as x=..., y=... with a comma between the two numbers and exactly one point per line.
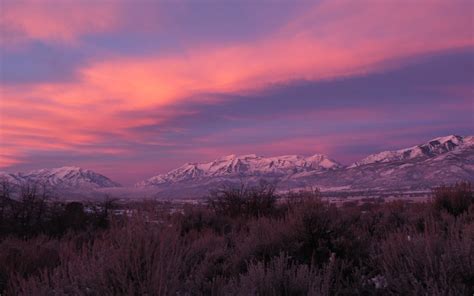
x=244, y=166
x=61, y=178
x=441, y=160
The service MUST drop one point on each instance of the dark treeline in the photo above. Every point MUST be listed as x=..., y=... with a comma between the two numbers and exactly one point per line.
x=33, y=211
x=243, y=241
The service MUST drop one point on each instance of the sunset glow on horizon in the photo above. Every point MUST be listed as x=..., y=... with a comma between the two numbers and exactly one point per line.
x=136, y=88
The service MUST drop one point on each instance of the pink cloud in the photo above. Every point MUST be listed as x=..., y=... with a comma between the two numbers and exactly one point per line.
x=55, y=21
x=334, y=39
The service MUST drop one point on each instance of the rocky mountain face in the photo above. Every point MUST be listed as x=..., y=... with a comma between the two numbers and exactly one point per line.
x=442, y=160
x=61, y=178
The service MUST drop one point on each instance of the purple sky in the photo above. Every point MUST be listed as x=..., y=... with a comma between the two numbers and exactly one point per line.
x=135, y=88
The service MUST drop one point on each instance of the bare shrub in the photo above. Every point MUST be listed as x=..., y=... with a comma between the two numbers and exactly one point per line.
x=197, y=218
x=295, y=199
x=304, y=246
x=206, y=259
x=22, y=259
x=244, y=201
x=454, y=199
x=262, y=240
x=437, y=261
x=5, y=202
x=136, y=259
x=281, y=276
x=27, y=214
x=313, y=228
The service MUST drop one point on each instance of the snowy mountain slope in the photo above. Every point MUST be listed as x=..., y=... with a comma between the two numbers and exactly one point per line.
x=434, y=147
x=439, y=161
x=62, y=178
x=411, y=174
x=233, y=166
x=442, y=160
x=11, y=178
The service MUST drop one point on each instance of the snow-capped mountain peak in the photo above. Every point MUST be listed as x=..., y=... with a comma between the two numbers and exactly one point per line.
x=432, y=148
x=244, y=165
x=438, y=161
x=442, y=160
x=63, y=177
x=452, y=138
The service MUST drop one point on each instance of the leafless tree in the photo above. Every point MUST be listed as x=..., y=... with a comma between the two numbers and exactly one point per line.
x=243, y=200
x=5, y=197
x=31, y=209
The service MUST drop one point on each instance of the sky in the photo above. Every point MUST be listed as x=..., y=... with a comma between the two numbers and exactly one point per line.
x=131, y=89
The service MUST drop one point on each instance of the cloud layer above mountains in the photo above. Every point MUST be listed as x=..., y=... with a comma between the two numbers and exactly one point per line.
x=138, y=87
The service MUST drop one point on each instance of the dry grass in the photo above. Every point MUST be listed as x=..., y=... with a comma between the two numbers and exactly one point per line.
x=302, y=247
